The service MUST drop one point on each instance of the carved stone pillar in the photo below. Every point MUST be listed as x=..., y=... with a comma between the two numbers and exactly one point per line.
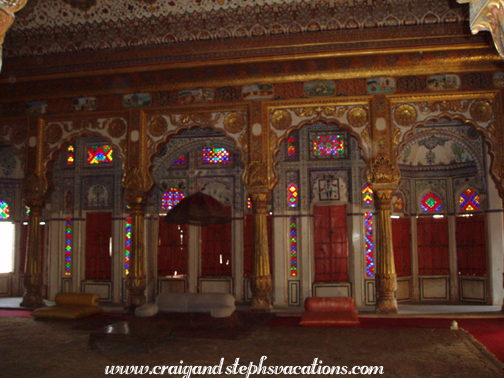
x=136, y=277
x=32, y=298
x=386, y=283
x=261, y=274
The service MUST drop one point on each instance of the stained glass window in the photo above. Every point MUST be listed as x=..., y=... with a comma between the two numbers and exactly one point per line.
x=469, y=200
x=331, y=145
x=171, y=198
x=293, y=246
x=180, y=161
x=249, y=203
x=214, y=155
x=293, y=195
x=27, y=212
x=399, y=204
x=367, y=195
x=4, y=210
x=70, y=155
x=368, y=225
x=101, y=154
x=68, y=247
x=128, y=243
x=431, y=202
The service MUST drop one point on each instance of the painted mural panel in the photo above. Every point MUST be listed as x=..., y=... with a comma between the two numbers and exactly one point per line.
x=443, y=82
x=258, y=92
x=379, y=85
x=319, y=88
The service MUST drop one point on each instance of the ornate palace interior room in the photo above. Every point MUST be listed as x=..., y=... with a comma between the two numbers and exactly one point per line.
x=355, y=145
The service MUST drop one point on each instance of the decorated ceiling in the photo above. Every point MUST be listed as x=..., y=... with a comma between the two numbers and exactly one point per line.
x=54, y=26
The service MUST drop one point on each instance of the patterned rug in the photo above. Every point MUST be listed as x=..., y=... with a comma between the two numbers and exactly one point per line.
x=53, y=350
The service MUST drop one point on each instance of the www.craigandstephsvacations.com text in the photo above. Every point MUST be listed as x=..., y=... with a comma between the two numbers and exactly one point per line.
x=247, y=370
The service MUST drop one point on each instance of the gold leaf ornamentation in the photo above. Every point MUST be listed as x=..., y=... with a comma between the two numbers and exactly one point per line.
x=281, y=119
x=327, y=110
x=32, y=187
x=133, y=180
x=53, y=133
x=116, y=128
x=442, y=106
x=257, y=174
x=234, y=122
x=358, y=116
x=405, y=115
x=18, y=134
x=196, y=118
x=157, y=126
x=382, y=171
x=481, y=111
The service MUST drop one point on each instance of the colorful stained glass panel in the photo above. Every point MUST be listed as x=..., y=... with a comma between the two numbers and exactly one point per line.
x=469, y=200
x=171, y=198
x=291, y=147
x=329, y=145
x=180, y=161
x=68, y=247
x=128, y=244
x=431, y=202
x=399, y=204
x=100, y=154
x=368, y=225
x=249, y=203
x=293, y=246
x=293, y=195
x=70, y=155
x=367, y=195
x=214, y=155
x=4, y=210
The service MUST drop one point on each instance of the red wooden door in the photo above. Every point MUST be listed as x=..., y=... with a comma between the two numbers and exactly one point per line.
x=98, y=238
x=433, y=254
x=172, y=249
x=216, y=250
x=471, y=246
x=331, y=244
x=248, y=241
x=401, y=241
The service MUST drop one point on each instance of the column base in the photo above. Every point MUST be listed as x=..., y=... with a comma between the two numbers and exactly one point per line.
x=136, y=293
x=387, y=306
x=32, y=300
x=261, y=304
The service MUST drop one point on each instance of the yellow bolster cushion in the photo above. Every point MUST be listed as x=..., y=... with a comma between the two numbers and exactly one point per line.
x=82, y=299
x=66, y=312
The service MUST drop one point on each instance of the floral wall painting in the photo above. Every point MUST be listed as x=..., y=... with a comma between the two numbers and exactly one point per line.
x=36, y=107
x=381, y=85
x=319, y=88
x=195, y=96
x=84, y=103
x=258, y=92
x=328, y=188
x=443, y=82
x=136, y=100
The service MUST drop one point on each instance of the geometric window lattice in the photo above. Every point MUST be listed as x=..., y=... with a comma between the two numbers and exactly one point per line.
x=291, y=148
x=128, y=244
x=331, y=145
x=399, y=204
x=431, y=202
x=4, y=210
x=469, y=200
x=100, y=154
x=367, y=195
x=368, y=224
x=293, y=195
x=70, y=156
x=213, y=155
x=68, y=247
x=180, y=160
x=293, y=246
x=249, y=203
x=171, y=198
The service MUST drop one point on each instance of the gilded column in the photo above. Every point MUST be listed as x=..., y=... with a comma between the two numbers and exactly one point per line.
x=33, y=190
x=261, y=273
x=386, y=282
x=137, y=202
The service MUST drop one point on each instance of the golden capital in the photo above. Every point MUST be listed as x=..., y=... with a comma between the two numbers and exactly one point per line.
x=382, y=171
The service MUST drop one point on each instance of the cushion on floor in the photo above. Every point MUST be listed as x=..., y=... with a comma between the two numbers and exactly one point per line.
x=148, y=309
